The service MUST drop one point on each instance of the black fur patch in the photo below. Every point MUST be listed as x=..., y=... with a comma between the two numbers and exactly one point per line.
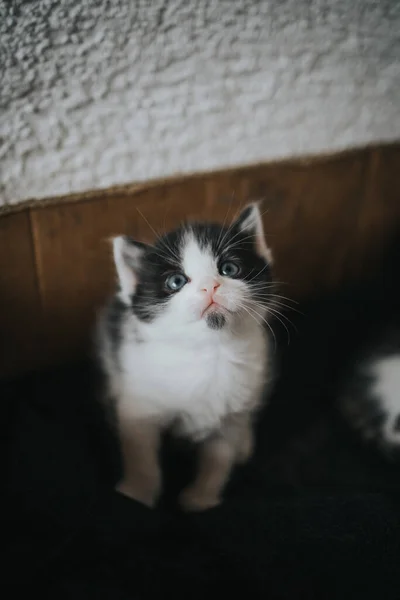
x=210, y=235
x=215, y=320
x=159, y=261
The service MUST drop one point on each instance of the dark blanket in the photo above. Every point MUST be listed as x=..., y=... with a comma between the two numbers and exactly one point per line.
x=314, y=515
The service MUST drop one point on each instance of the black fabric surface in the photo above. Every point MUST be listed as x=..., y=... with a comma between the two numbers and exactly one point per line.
x=314, y=515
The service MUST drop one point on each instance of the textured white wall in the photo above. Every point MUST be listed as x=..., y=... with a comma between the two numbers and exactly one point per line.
x=101, y=92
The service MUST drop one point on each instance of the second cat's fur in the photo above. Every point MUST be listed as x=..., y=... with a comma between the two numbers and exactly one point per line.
x=370, y=398
x=183, y=345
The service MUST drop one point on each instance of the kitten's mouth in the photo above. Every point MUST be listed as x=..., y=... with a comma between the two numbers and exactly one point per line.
x=211, y=307
x=215, y=307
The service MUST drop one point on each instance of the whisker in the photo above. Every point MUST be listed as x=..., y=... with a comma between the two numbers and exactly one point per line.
x=261, y=285
x=273, y=283
x=164, y=242
x=147, y=222
x=271, y=300
x=229, y=229
x=265, y=300
x=271, y=330
x=247, y=237
x=247, y=308
x=159, y=252
x=160, y=240
x=274, y=309
x=276, y=313
x=282, y=323
x=286, y=298
x=257, y=274
x=223, y=224
x=167, y=257
x=170, y=250
x=283, y=305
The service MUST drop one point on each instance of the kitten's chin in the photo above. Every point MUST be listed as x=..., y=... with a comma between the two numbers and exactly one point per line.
x=215, y=320
x=215, y=316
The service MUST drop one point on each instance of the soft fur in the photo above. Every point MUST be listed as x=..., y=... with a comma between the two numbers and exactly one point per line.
x=174, y=360
x=371, y=398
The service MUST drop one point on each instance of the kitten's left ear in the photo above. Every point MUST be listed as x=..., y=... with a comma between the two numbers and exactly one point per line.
x=127, y=257
x=250, y=222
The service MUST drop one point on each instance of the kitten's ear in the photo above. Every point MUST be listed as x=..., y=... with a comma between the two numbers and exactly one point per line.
x=127, y=257
x=250, y=222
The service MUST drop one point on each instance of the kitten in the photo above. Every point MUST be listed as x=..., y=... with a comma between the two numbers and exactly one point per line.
x=184, y=347
x=370, y=400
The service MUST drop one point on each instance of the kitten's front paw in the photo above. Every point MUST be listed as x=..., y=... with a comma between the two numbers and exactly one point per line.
x=145, y=496
x=245, y=448
x=193, y=500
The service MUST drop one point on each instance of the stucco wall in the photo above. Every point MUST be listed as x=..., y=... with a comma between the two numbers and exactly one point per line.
x=101, y=92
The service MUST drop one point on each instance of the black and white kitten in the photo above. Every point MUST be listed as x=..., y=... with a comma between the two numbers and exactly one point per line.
x=370, y=400
x=184, y=347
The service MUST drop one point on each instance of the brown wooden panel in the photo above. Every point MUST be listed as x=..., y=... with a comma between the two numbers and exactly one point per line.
x=20, y=313
x=164, y=208
x=309, y=212
x=309, y=216
x=379, y=221
x=325, y=221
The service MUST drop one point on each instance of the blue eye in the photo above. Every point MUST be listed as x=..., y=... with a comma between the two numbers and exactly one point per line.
x=176, y=282
x=229, y=269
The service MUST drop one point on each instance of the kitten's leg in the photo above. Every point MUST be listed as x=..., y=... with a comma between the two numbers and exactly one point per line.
x=217, y=455
x=244, y=442
x=140, y=442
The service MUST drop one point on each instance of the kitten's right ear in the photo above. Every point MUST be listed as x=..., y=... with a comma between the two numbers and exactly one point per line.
x=250, y=222
x=127, y=257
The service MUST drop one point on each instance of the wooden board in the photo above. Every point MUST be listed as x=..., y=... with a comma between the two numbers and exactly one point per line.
x=325, y=221
x=20, y=308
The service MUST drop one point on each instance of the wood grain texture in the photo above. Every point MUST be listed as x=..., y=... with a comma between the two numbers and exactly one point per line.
x=326, y=224
x=20, y=308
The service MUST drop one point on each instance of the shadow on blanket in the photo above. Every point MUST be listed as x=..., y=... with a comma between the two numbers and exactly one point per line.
x=315, y=514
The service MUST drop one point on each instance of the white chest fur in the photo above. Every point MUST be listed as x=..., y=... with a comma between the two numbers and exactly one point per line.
x=199, y=381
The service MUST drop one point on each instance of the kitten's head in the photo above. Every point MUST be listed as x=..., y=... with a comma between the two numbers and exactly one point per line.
x=200, y=273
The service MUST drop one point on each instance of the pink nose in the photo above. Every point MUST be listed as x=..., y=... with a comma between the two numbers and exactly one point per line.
x=210, y=286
